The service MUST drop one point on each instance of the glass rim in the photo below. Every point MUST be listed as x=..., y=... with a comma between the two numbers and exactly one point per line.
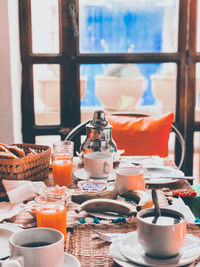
x=63, y=142
x=55, y=197
x=63, y=147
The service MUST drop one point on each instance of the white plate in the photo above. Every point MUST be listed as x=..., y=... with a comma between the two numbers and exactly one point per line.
x=6, y=230
x=131, y=249
x=118, y=257
x=81, y=174
x=70, y=261
x=156, y=174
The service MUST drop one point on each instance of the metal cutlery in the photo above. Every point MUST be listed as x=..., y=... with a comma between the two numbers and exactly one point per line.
x=157, y=210
x=170, y=177
x=23, y=225
x=109, y=237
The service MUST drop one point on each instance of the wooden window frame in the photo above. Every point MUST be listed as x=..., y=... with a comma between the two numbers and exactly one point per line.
x=70, y=60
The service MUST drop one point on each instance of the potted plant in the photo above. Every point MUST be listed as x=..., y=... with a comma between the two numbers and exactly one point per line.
x=164, y=87
x=121, y=87
x=49, y=92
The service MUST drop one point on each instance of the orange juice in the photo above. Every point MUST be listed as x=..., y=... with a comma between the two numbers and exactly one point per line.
x=62, y=172
x=52, y=216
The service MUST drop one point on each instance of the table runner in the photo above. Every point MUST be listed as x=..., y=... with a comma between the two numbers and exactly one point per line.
x=95, y=252
x=74, y=218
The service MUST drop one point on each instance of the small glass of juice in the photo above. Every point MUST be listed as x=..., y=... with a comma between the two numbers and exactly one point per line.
x=51, y=212
x=62, y=163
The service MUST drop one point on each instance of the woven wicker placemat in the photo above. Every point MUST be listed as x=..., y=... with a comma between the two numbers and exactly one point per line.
x=74, y=218
x=95, y=252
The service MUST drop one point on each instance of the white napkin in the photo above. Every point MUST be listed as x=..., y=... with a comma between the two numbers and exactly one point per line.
x=143, y=160
x=19, y=191
x=179, y=205
x=8, y=210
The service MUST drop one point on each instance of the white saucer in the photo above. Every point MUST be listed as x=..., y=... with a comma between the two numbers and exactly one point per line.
x=157, y=174
x=81, y=174
x=131, y=249
x=118, y=257
x=70, y=261
x=6, y=230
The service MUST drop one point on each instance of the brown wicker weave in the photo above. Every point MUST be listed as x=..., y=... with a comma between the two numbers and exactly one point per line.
x=95, y=252
x=33, y=168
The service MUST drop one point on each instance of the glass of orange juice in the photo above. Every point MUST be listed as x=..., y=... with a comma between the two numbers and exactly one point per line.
x=62, y=163
x=51, y=212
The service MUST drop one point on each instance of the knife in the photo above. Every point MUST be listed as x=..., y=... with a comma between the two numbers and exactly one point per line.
x=170, y=177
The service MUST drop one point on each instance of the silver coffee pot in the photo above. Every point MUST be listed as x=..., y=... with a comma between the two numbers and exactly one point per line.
x=98, y=135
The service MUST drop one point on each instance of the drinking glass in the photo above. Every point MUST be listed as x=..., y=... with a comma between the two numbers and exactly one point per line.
x=51, y=212
x=62, y=162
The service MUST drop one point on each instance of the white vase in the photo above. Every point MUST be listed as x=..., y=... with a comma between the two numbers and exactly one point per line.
x=164, y=90
x=49, y=92
x=119, y=93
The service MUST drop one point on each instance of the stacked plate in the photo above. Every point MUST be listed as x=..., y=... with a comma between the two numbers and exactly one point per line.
x=161, y=174
x=127, y=252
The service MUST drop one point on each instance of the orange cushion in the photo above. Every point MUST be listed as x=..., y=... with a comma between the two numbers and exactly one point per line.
x=142, y=136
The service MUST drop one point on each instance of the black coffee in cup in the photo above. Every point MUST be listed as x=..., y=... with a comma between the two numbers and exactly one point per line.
x=35, y=244
x=162, y=239
x=165, y=218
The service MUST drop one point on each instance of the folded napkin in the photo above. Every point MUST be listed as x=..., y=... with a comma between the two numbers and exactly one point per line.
x=8, y=210
x=143, y=160
x=19, y=191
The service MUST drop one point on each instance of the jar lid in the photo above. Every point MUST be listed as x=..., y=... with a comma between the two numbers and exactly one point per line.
x=99, y=121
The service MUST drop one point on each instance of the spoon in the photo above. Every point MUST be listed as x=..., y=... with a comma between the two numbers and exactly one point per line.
x=157, y=211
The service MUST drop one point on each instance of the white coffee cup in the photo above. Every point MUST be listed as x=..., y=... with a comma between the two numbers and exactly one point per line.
x=41, y=247
x=129, y=178
x=162, y=239
x=98, y=164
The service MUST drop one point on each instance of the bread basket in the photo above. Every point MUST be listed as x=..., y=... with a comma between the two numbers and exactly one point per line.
x=33, y=168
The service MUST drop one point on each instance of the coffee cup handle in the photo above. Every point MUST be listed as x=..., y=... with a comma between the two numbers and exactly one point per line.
x=107, y=168
x=13, y=262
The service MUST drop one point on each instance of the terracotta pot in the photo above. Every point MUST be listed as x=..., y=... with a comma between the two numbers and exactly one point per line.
x=49, y=92
x=119, y=93
x=164, y=90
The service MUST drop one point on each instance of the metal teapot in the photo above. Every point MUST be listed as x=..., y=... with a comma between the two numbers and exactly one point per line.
x=98, y=135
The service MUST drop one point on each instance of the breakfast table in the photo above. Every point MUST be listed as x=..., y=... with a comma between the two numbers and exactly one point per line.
x=91, y=251
x=81, y=240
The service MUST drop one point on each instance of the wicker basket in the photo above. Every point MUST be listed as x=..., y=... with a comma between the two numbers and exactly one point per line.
x=34, y=168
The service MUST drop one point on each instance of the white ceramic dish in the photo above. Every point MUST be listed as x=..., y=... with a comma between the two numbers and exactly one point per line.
x=131, y=250
x=6, y=230
x=92, y=185
x=118, y=257
x=156, y=175
x=143, y=160
x=81, y=174
x=70, y=261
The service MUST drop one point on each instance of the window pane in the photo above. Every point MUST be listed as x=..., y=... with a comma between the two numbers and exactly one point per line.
x=46, y=82
x=142, y=88
x=47, y=140
x=45, y=34
x=118, y=26
x=197, y=95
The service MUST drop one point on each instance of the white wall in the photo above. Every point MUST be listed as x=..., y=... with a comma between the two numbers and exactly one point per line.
x=10, y=73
